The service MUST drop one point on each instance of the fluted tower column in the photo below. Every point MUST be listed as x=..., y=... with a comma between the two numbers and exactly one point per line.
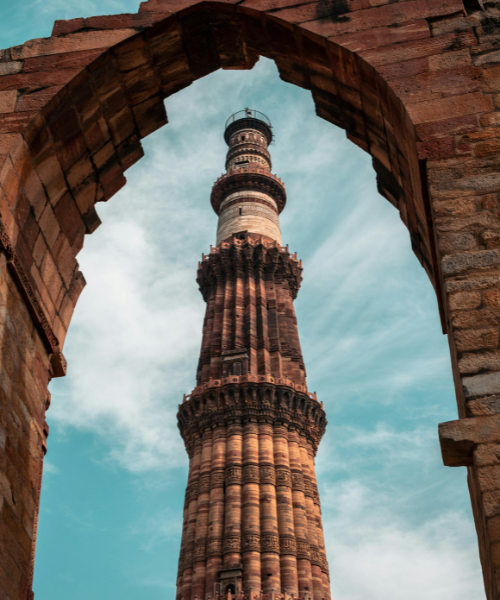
x=252, y=516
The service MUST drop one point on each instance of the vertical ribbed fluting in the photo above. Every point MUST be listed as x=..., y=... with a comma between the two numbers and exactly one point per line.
x=317, y=514
x=216, y=509
x=200, y=541
x=239, y=310
x=250, y=513
x=192, y=491
x=311, y=520
x=216, y=338
x=269, y=533
x=185, y=521
x=232, y=502
x=251, y=322
x=208, y=325
x=304, y=571
x=288, y=550
x=263, y=360
x=228, y=315
x=273, y=328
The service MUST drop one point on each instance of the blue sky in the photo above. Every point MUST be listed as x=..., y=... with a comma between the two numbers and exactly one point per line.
x=398, y=524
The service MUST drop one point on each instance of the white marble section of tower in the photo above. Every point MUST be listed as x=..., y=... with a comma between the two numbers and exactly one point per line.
x=247, y=200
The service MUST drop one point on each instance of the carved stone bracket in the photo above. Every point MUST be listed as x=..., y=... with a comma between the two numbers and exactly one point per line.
x=459, y=437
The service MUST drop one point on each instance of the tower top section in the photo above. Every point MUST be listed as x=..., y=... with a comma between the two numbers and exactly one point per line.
x=248, y=198
x=248, y=119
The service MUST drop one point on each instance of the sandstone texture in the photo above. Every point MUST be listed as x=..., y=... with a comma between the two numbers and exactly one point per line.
x=416, y=83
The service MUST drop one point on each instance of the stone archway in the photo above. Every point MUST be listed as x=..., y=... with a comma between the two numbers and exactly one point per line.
x=413, y=82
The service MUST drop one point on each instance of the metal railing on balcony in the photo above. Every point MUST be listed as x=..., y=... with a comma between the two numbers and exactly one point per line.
x=248, y=113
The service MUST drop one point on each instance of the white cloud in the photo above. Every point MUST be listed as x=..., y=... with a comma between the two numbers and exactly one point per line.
x=374, y=554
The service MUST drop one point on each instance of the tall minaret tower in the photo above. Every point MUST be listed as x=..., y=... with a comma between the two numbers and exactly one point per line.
x=252, y=517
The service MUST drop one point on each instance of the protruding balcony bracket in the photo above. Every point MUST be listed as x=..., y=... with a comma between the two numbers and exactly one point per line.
x=458, y=438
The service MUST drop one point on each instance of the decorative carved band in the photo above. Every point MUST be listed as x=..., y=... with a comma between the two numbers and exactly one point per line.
x=187, y=559
x=204, y=484
x=250, y=543
x=191, y=492
x=256, y=400
x=324, y=562
x=214, y=547
x=250, y=474
x=288, y=545
x=270, y=543
x=199, y=552
x=283, y=477
x=216, y=479
x=267, y=475
x=232, y=544
x=297, y=481
x=303, y=550
x=233, y=475
x=316, y=556
x=308, y=486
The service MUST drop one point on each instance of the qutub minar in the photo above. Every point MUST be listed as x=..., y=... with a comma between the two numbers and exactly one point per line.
x=252, y=517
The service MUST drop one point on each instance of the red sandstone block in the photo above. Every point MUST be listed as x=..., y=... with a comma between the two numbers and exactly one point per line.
x=15, y=122
x=408, y=68
x=9, y=180
x=454, y=81
x=489, y=148
x=49, y=225
x=76, y=287
x=30, y=82
x=444, y=108
x=381, y=16
x=67, y=60
x=71, y=43
x=36, y=100
x=418, y=49
x=447, y=127
x=8, y=101
x=51, y=276
x=65, y=27
x=449, y=60
x=70, y=221
x=124, y=21
x=383, y=36
x=63, y=256
x=140, y=84
x=130, y=151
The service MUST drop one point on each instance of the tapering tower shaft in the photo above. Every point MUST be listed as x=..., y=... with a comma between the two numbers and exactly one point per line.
x=252, y=518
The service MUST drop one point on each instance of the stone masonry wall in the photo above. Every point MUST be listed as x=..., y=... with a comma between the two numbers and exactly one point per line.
x=416, y=83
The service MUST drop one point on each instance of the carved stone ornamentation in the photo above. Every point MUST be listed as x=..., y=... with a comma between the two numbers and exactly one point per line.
x=303, y=550
x=199, y=552
x=204, y=484
x=216, y=479
x=250, y=543
x=214, y=547
x=250, y=474
x=270, y=543
x=232, y=544
x=316, y=556
x=308, y=487
x=297, y=481
x=288, y=545
x=233, y=475
x=267, y=475
x=283, y=477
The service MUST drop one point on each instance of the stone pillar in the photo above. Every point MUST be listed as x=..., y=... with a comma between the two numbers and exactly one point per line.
x=320, y=571
x=312, y=533
x=250, y=514
x=269, y=533
x=304, y=571
x=200, y=541
x=216, y=509
x=192, y=494
x=288, y=547
x=232, y=507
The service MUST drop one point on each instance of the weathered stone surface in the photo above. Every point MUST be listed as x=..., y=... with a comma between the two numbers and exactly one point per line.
x=426, y=108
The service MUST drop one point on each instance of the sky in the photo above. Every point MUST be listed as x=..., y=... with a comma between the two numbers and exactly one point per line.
x=398, y=523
